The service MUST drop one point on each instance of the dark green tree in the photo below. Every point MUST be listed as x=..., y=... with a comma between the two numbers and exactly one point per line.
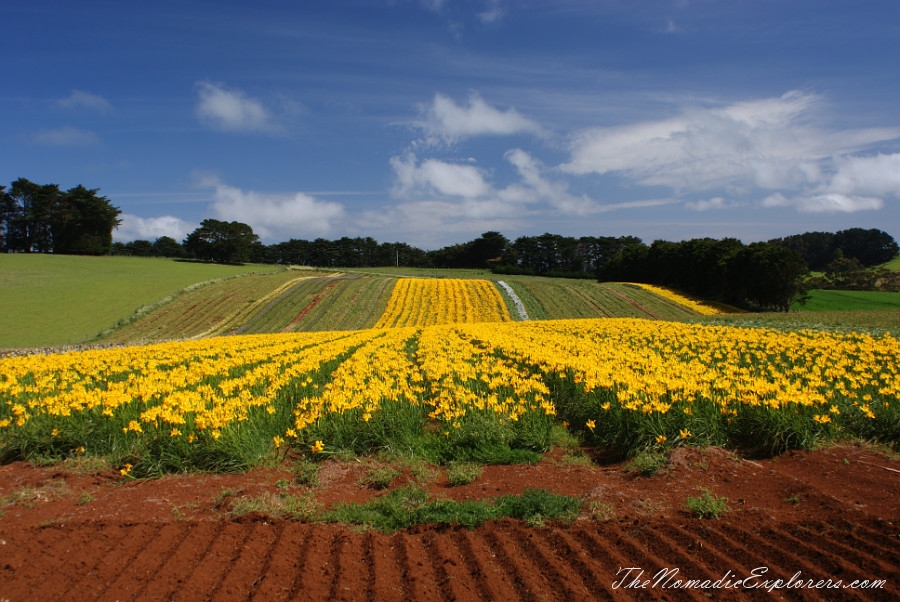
x=767, y=276
x=81, y=223
x=220, y=241
x=35, y=204
x=8, y=214
x=870, y=247
x=166, y=246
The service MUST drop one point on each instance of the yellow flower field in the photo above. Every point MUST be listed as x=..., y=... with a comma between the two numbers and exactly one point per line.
x=430, y=301
x=620, y=383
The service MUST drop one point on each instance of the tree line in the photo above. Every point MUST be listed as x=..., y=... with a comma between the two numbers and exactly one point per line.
x=764, y=275
x=41, y=218
x=761, y=275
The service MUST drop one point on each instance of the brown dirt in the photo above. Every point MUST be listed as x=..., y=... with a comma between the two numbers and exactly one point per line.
x=829, y=514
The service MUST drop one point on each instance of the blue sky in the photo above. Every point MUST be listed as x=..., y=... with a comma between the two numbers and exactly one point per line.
x=432, y=121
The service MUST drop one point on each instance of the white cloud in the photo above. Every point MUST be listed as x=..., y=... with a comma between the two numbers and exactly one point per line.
x=79, y=99
x=878, y=175
x=151, y=228
x=705, y=205
x=435, y=5
x=66, y=136
x=437, y=177
x=770, y=144
x=232, y=110
x=830, y=202
x=494, y=11
x=446, y=121
x=274, y=217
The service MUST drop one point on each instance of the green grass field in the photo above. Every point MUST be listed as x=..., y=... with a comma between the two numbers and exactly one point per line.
x=893, y=264
x=60, y=299
x=822, y=300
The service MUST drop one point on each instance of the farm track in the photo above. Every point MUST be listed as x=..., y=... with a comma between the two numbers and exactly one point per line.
x=264, y=559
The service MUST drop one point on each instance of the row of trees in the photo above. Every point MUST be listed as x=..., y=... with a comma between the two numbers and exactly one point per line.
x=760, y=275
x=40, y=218
x=818, y=249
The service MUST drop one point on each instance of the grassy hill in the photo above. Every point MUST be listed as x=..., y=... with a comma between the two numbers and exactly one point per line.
x=63, y=299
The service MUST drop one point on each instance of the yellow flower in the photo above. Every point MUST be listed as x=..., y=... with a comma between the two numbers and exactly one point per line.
x=192, y=437
x=822, y=418
x=127, y=469
x=278, y=441
x=317, y=447
x=590, y=424
x=54, y=432
x=661, y=439
x=175, y=433
x=684, y=433
x=79, y=449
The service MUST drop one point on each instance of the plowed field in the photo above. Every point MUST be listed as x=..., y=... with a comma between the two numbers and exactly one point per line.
x=816, y=516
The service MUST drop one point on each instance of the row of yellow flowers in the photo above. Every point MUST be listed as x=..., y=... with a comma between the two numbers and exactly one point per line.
x=430, y=301
x=651, y=366
x=650, y=369
x=692, y=304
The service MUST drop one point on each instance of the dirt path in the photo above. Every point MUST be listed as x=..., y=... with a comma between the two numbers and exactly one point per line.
x=831, y=514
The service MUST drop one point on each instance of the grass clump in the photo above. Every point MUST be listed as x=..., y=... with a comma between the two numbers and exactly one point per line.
x=305, y=472
x=411, y=505
x=707, y=505
x=279, y=505
x=648, y=462
x=380, y=477
x=463, y=473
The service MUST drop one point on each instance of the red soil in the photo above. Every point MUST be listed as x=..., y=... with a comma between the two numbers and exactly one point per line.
x=830, y=514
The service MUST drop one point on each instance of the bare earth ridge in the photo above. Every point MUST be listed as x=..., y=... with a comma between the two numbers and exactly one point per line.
x=804, y=517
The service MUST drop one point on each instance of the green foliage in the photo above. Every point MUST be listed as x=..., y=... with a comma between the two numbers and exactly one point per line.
x=305, y=472
x=407, y=506
x=647, y=462
x=41, y=218
x=380, y=477
x=707, y=505
x=278, y=505
x=463, y=473
x=222, y=242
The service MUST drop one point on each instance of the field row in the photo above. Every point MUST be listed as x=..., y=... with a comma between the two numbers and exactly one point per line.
x=297, y=301
x=288, y=301
x=482, y=391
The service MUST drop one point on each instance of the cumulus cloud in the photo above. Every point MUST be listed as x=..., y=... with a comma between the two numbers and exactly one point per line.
x=446, y=121
x=79, y=99
x=274, y=216
x=770, y=144
x=232, y=110
x=140, y=228
x=433, y=176
x=878, y=175
x=66, y=136
x=438, y=187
